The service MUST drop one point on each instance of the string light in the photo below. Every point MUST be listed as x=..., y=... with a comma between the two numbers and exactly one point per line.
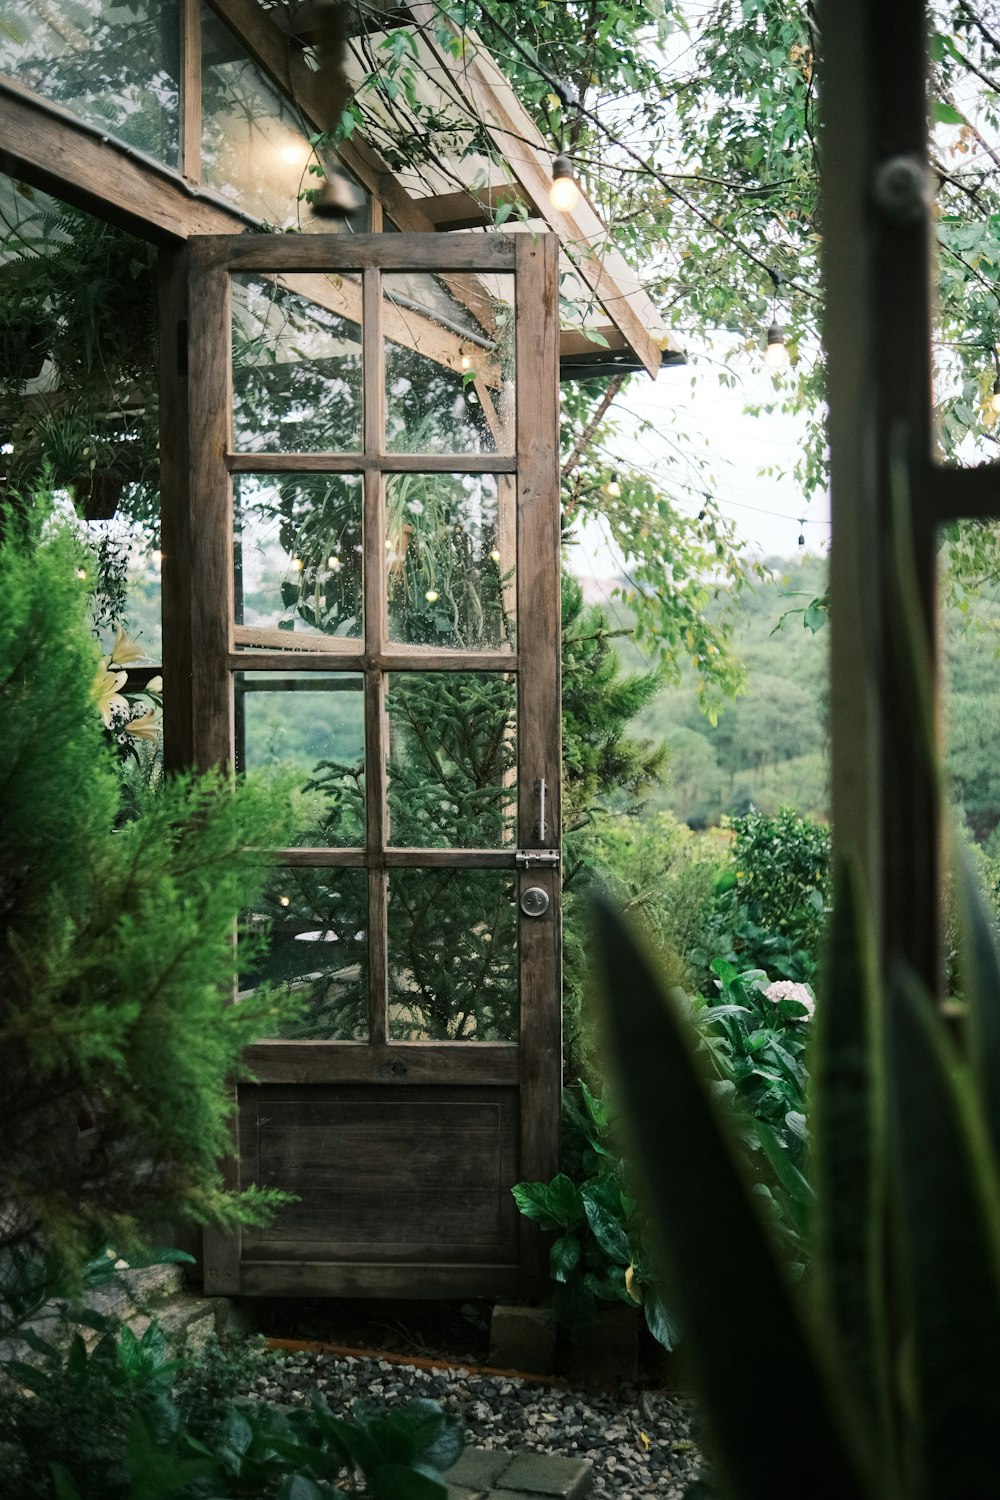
x=802, y=532
x=776, y=352
x=995, y=400
x=613, y=488
x=564, y=194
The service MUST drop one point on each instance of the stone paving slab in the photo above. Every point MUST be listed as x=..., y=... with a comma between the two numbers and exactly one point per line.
x=500, y=1475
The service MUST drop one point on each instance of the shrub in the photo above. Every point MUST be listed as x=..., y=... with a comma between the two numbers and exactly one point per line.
x=116, y=953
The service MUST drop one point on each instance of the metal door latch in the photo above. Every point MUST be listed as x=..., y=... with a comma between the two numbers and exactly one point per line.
x=533, y=859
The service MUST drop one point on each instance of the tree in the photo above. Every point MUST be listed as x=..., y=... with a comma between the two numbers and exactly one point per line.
x=115, y=947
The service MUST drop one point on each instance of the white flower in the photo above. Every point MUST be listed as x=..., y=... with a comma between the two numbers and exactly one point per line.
x=121, y=1265
x=786, y=989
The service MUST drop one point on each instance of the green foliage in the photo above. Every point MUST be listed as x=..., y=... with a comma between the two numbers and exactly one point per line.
x=782, y=873
x=754, y=1042
x=116, y=945
x=888, y=1371
x=112, y=1422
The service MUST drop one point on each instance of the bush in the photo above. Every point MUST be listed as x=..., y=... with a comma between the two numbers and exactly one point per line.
x=116, y=953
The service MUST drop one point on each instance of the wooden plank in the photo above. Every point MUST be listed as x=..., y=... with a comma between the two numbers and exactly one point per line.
x=399, y=1063
x=478, y=80
x=398, y=859
x=44, y=145
x=191, y=90
x=475, y=208
x=355, y=463
x=211, y=538
x=402, y=659
x=292, y=253
x=362, y=1279
x=175, y=512
x=539, y=724
x=221, y=1250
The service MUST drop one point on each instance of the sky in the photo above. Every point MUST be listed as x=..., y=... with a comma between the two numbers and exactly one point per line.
x=766, y=510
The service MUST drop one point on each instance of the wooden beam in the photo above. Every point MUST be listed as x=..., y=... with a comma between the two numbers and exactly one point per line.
x=473, y=210
x=44, y=145
x=474, y=75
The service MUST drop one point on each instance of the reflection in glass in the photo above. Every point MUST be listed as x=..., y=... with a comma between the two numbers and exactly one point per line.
x=450, y=560
x=115, y=65
x=309, y=934
x=449, y=363
x=309, y=728
x=255, y=149
x=297, y=364
x=452, y=956
x=297, y=553
x=452, y=755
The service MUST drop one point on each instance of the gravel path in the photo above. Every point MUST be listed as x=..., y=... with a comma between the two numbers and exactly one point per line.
x=638, y=1442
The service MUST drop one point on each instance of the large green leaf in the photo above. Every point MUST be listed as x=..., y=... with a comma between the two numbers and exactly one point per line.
x=723, y=1274
x=607, y=1227
x=948, y=1243
x=847, y=1151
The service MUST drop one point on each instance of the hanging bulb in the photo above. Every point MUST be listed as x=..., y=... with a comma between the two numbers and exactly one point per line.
x=701, y=515
x=802, y=535
x=564, y=193
x=776, y=353
x=613, y=488
x=995, y=402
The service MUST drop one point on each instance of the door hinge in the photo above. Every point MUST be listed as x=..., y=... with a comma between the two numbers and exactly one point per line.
x=532, y=859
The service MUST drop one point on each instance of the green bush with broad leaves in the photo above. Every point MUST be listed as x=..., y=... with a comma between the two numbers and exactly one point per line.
x=772, y=899
x=885, y=1362
x=752, y=1035
x=115, y=1422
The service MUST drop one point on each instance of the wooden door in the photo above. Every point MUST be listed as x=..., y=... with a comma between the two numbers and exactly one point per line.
x=374, y=606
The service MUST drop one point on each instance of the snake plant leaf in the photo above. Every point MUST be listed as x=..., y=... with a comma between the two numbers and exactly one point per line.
x=847, y=1154
x=980, y=971
x=722, y=1273
x=948, y=1247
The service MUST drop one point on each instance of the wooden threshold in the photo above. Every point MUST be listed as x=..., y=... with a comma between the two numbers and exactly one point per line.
x=475, y=1064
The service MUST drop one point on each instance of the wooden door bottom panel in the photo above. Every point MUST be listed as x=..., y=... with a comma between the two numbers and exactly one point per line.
x=285, y=1278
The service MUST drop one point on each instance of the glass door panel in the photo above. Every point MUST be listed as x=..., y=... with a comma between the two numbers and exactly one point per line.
x=297, y=363
x=449, y=363
x=452, y=760
x=450, y=560
x=453, y=967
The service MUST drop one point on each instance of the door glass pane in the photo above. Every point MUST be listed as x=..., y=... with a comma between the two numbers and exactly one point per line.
x=452, y=956
x=307, y=729
x=452, y=760
x=297, y=556
x=112, y=63
x=309, y=934
x=449, y=363
x=297, y=364
x=450, y=539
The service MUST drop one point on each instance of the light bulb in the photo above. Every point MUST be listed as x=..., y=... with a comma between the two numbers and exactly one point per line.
x=613, y=488
x=334, y=564
x=495, y=554
x=431, y=595
x=564, y=193
x=297, y=565
x=995, y=402
x=776, y=353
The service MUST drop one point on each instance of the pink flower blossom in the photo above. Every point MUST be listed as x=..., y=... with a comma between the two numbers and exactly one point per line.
x=786, y=989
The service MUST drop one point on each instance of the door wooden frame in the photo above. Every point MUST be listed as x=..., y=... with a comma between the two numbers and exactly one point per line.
x=201, y=654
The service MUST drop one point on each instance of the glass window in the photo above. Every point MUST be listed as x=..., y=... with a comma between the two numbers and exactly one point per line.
x=297, y=364
x=314, y=925
x=255, y=147
x=297, y=556
x=307, y=729
x=113, y=63
x=450, y=543
x=452, y=956
x=452, y=760
x=449, y=363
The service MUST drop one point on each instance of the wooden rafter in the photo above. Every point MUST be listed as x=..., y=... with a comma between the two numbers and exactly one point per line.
x=475, y=76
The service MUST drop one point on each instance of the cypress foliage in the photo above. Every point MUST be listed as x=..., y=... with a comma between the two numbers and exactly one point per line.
x=116, y=947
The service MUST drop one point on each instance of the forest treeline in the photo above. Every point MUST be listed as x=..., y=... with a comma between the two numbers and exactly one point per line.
x=770, y=747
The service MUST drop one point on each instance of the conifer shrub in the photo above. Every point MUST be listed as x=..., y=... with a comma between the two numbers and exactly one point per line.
x=117, y=1035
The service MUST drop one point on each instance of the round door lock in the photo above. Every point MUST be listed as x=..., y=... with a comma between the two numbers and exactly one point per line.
x=534, y=901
